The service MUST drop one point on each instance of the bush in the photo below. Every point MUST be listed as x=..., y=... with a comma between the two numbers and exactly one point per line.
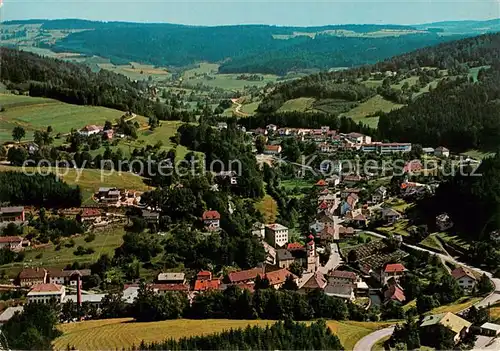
x=40, y=255
x=90, y=237
x=70, y=243
x=80, y=251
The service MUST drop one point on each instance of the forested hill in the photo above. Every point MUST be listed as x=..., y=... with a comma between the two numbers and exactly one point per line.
x=242, y=49
x=72, y=83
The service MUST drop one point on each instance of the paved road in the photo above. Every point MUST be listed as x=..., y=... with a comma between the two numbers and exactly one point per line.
x=366, y=343
x=333, y=261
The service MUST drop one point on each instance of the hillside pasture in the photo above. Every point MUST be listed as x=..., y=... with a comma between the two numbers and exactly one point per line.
x=89, y=180
x=369, y=107
x=105, y=242
x=300, y=104
x=111, y=334
x=34, y=113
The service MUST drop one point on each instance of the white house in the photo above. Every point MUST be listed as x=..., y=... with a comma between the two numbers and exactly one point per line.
x=465, y=279
x=44, y=293
x=90, y=129
x=277, y=234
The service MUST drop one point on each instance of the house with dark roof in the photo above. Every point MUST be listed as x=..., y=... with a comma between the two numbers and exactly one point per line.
x=12, y=215
x=342, y=277
x=31, y=276
x=246, y=276
x=390, y=215
x=379, y=194
x=284, y=258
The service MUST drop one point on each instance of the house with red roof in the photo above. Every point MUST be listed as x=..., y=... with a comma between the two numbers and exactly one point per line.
x=321, y=183
x=465, y=279
x=394, y=293
x=392, y=271
x=316, y=281
x=204, y=281
x=90, y=215
x=272, y=149
x=277, y=278
x=44, y=293
x=211, y=219
x=244, y=277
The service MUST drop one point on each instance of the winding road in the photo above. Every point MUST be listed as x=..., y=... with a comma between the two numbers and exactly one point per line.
x=366, y=343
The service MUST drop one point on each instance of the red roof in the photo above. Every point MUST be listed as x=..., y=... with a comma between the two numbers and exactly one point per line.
x=295, y=246
x=46, y=288
x=204, y=275
x=394, y=267
x=323, y=206
x=310, y=237
x=210, y=215
x=460, y=272
x=275, y=148
x=202, y=285
x=395, y=293
x=321, y=182
x=91, y=212
x=10, y=239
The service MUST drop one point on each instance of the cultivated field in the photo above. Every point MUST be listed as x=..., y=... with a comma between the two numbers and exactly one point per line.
x=33, y=113
x=137, y=71
x=299, y=104
x=113, y=334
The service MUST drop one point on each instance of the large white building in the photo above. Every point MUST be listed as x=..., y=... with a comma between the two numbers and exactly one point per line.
x=44, y=293
x=276, y=234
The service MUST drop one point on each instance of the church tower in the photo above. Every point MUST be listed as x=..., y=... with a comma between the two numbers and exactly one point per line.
x=311, y=254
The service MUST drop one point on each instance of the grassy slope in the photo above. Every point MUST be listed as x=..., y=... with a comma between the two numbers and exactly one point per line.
x=122, y=333
x=370, y=106
x=38, y=113
x=90, y=180
x=299, y=104
x=105, y=242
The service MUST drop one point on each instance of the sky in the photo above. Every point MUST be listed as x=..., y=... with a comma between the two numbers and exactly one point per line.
x=279, y=12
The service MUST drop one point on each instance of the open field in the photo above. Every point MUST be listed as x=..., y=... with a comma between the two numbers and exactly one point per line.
x=299, y=104
x=479, y=155
x=457, y=306
x=454, y=240
x=113, y=334
x=432, y=242
x=137, y=71
x=90, y=180
x=250, y=108
x=370, y=106
x=105, y=243
x=207, y=74
x=34, y=113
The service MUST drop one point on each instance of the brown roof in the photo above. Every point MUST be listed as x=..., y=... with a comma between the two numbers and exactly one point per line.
x=10, y=239
x=317, y=281
x=169, y=287
x=279, y=276
x=91, y=212
x=295, y=247
x=273, y=147
x=31, y=273
x=351, y=199
x=241, y=276
x=343, y=274
x=68, y=272
x=344, y=230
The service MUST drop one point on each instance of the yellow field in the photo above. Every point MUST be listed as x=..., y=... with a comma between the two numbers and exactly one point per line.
x=113, y=334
